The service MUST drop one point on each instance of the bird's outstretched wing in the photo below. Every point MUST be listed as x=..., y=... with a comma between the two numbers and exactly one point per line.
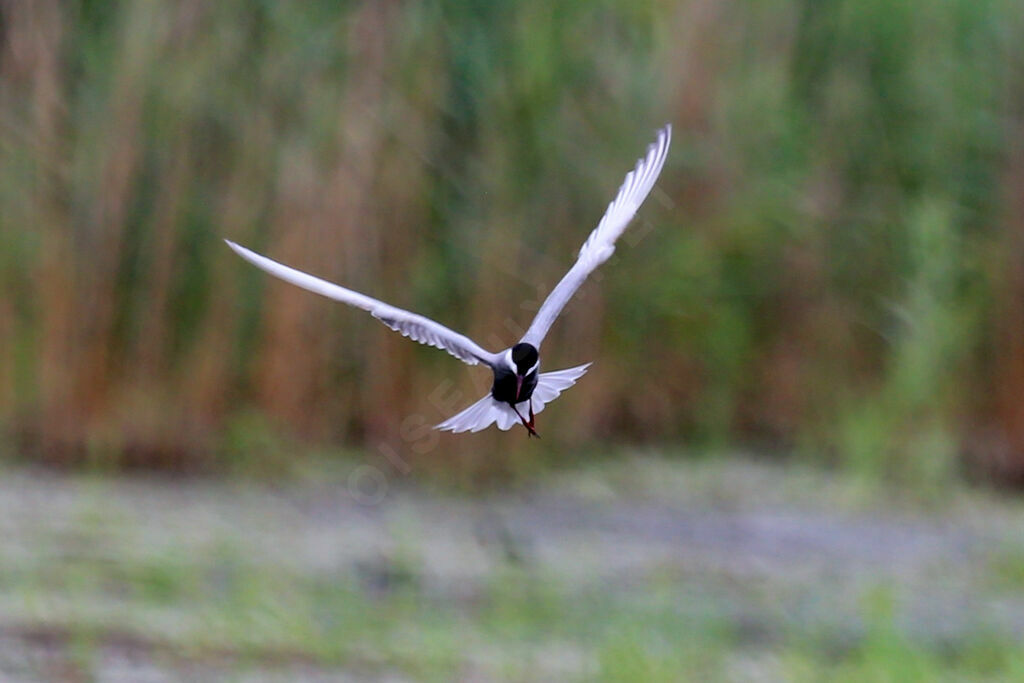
x=415, y=327
x=601, y=243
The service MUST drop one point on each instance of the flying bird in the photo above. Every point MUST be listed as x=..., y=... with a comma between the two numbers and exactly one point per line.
x=520, y=390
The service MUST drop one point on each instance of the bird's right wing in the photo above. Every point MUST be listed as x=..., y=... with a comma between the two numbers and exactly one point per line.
x=411, y=325
x=600, y=245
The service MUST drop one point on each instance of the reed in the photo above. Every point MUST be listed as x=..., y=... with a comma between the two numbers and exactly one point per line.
x=831, y=258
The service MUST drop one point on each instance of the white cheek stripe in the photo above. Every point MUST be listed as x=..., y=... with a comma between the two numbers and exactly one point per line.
x=511, y=363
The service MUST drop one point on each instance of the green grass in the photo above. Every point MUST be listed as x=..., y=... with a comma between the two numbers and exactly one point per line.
x=123, y=564
x=518, y=628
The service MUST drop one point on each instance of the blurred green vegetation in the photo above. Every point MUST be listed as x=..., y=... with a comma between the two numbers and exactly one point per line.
x=226, y=579
x=833, y=259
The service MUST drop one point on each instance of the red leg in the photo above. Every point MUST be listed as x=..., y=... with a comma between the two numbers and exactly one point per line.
x=528, y=425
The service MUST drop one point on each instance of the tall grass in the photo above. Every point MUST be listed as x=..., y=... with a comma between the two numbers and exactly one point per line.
x=832, y=257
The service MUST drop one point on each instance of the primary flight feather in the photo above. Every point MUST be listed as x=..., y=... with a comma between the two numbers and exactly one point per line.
x=518, y=386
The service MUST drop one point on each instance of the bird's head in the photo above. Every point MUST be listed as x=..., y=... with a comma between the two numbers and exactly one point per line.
x=523, y=358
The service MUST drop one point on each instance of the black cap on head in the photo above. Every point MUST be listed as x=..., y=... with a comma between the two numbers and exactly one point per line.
x=524, y=356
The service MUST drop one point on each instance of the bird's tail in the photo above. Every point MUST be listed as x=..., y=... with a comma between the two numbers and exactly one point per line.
x=481, y=415
x=487, y=411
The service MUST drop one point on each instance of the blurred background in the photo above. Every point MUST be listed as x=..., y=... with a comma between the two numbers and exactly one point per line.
x=830, y=271
x=833, y=261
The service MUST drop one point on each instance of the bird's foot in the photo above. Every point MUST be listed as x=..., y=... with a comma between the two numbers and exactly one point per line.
x=529, y=425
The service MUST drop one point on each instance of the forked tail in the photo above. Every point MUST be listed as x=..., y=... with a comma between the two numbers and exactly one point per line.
x=487, y=411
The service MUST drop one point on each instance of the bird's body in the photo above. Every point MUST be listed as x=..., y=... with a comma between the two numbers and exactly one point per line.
x=515, y=381
x=519, y=387
x=509, y=388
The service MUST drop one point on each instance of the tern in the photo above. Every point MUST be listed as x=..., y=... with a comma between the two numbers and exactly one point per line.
x=519, y=386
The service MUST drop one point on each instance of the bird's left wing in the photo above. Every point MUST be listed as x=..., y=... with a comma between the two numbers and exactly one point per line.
x=411, y=325
x=601, y=243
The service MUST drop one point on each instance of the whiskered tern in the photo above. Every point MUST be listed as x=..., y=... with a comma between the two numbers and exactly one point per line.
x=519, y=386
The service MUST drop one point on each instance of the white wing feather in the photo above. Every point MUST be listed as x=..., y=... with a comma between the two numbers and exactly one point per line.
x=488, y=411
x=550, y=385
x=411, y=325
x=480, y=416
x=600, y=245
